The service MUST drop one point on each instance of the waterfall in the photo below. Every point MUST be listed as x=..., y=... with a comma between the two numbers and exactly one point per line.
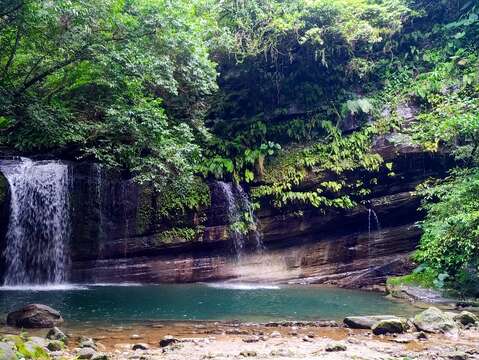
x=239, y=212
x=372, y=215
x=38, y=234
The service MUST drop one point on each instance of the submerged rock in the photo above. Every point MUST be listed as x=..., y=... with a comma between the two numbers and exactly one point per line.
x=434, y=320
x=390, y=326
x=366, y=322
x=34, y=316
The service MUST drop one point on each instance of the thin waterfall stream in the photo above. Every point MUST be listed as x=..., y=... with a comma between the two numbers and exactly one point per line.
x=372, y=215
x=38, y=234
x=240, y=215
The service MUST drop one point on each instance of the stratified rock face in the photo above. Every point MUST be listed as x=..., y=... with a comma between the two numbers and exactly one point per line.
x=118, y=234
x=34, y=316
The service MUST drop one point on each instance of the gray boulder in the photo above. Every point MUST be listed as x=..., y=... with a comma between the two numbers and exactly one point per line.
x=466, y=318
x=434, y=320
x=34, y=316
x=366, y=322
x=390, y=326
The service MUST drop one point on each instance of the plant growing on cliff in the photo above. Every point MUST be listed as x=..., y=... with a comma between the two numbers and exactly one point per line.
x=451, y=229
x=332, y=159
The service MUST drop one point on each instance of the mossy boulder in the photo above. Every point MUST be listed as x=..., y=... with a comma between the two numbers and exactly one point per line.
x=390, y=326
x=7, y=351
x=434, y=320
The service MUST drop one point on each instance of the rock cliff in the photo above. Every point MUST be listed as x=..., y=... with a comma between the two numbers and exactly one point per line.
x=118, y=234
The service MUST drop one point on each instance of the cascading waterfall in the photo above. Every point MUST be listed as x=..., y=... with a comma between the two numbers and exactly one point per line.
x=38, y=232
x=239, y=211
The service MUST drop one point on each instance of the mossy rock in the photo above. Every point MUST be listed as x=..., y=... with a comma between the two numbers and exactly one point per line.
x=7, y=351
x=390, y=326
x=434, y=320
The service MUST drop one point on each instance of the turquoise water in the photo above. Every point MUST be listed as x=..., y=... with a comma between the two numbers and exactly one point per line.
x=115, y=304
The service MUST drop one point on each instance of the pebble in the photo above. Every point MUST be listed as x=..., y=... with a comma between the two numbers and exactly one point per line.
x=86, y=353
x=275, y=334
x=251, y=339
x=307, y=339
x=140, y=346
x=335, y=347
x=168, y=340
x=248, y=353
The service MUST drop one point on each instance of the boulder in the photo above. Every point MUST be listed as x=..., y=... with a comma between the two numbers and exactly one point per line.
x=366, y=322
x=7, y=352
x=434, y=320
x=34, y=316
x=466, y=318
x=390, y=326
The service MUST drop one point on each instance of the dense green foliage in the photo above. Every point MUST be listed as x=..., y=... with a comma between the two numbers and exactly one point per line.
x=265, y=92
x=123, y=82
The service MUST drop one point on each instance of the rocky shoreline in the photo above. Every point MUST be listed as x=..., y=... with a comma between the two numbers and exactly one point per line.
x=431, y=334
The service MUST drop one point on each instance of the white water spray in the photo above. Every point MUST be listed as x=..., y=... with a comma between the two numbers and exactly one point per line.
x=39, y=225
